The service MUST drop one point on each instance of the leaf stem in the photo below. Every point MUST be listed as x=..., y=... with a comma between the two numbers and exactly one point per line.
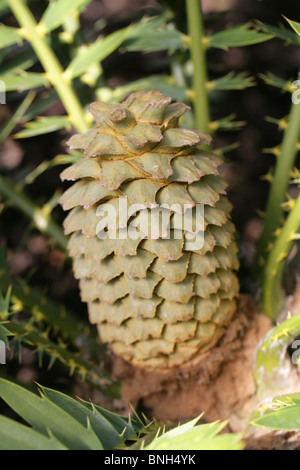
x=272, y=291
x=198, y=55
x=33, y=339
x=61, y=320
x=49, y=61
x=285, y=162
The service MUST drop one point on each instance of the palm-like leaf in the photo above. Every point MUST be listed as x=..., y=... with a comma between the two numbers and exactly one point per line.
x=58, y=422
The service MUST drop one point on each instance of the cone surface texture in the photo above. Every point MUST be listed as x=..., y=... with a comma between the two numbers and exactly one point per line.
x=159, y=298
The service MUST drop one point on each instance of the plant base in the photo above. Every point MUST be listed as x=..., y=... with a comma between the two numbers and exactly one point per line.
x=220, y=384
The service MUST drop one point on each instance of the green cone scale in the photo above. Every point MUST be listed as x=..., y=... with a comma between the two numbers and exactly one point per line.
x=158, y=300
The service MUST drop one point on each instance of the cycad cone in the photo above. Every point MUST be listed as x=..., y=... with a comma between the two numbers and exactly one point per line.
x=157, y=302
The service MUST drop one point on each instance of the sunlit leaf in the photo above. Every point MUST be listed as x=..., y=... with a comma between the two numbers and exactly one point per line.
x=17, y=436
x=281, y=413
x=24, y=81
x=95, y=52
x=9, y=36
x=226, y=124
x=231, y=82
x=44, y=125
x=104, y=430
x=191, y=437
x=295, y=25
x=58, y=421
x=3, y=7
x=278, y=31
x=237, y=36
x=129, y=427
x=4, y=334
x=153, y=34
x=4, y=303
x=44, y=416
x=59, y=416
x=57, y=12
x=24, y=57
x=278, y=82
x=155, y=41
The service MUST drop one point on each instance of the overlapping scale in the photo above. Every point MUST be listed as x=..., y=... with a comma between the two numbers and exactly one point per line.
x=158, y=300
